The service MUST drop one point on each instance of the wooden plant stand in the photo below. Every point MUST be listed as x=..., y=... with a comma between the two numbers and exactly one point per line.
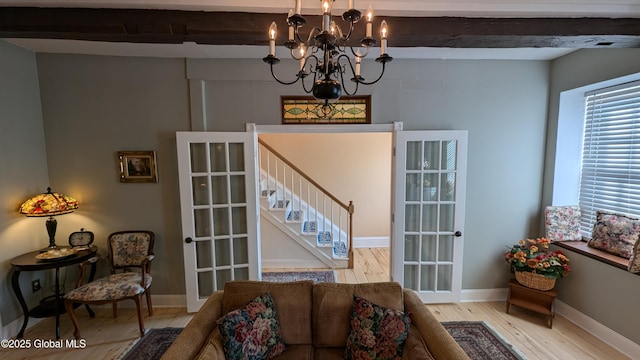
x=538, y=301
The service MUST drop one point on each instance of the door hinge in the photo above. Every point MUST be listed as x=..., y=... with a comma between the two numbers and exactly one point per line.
x=394, y=151
x=393, y=218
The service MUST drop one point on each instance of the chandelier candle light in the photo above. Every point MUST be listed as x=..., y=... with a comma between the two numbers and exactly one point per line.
x=324, y=53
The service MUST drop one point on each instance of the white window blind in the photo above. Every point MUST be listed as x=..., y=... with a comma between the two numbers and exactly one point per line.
x=610, y=176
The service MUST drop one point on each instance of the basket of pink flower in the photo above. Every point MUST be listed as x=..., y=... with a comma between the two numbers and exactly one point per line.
x=536, y=266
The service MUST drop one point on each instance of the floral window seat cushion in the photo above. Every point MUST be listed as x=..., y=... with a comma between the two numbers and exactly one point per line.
x=562, y=223
x=615, y=233
x=111, y=287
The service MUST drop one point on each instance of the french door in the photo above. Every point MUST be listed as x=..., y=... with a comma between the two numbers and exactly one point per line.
x=428, y=217
x=219, y=210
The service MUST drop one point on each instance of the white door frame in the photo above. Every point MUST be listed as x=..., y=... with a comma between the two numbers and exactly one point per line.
x=329, y=129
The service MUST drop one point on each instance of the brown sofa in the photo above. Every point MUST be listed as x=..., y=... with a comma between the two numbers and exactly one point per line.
x=314, y=320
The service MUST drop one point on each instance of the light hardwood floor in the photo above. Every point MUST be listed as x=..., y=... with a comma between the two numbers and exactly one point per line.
x=107, y=338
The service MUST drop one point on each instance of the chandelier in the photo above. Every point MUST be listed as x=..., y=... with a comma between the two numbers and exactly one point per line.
x=325, y=52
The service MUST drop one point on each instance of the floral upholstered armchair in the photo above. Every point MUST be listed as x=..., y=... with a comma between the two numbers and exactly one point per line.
x=130, y=254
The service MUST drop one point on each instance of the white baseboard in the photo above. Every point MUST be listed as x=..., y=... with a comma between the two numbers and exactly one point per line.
x=598, y=330
x=591, y=326
x=484, y=295
x=371, y=241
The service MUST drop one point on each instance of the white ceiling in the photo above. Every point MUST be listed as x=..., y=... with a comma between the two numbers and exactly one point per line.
x=468, y=8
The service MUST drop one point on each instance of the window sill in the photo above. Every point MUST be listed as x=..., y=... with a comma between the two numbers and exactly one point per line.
x=581, y=247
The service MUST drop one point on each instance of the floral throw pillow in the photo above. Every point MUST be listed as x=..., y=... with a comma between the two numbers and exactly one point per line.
x=615, y=233
x=562, y=223
x=253, y=332
x=376, y=332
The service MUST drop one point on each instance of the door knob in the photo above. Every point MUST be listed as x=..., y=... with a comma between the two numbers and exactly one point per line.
x=188, y=240
x=457, y=234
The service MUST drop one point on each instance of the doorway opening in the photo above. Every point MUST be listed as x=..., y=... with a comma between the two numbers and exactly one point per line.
x=353, y=166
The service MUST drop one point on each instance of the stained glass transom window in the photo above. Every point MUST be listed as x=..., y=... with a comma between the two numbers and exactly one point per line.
x=307, y=110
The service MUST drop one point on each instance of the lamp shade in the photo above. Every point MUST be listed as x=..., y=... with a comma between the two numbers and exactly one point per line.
x=48, y=204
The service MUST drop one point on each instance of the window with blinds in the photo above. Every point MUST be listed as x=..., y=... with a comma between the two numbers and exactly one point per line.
x=610, y=175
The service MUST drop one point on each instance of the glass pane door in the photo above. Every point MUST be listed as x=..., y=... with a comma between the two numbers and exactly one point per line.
x=218, y=195
x=430, y=169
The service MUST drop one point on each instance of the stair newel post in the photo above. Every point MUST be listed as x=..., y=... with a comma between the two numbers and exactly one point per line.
x=350, y=240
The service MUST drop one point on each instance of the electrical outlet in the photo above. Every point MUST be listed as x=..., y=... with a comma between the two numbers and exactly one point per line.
x=35, y=285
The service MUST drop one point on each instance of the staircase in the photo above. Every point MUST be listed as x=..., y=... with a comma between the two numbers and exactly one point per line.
x=304, y=211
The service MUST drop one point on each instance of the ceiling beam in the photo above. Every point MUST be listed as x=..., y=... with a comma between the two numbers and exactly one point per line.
x=236, y=28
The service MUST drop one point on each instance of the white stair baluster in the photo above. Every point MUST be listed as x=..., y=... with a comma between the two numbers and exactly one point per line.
x=308, y=214
x=299, y=193
x=276, y=178
x=268, y=173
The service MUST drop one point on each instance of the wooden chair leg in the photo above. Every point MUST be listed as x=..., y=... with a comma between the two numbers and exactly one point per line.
x=149, y=306
x=140, y=320
x=68, y=304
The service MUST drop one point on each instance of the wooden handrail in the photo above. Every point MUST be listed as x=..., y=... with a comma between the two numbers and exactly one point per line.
x=307, y=177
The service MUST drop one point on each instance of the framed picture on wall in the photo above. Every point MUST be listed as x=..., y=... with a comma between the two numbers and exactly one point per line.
x=138, y=166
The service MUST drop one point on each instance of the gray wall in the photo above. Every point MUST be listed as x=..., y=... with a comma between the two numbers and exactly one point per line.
x=94, y=106
x=607, y=294
x=503, y=105
x=23, y=171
